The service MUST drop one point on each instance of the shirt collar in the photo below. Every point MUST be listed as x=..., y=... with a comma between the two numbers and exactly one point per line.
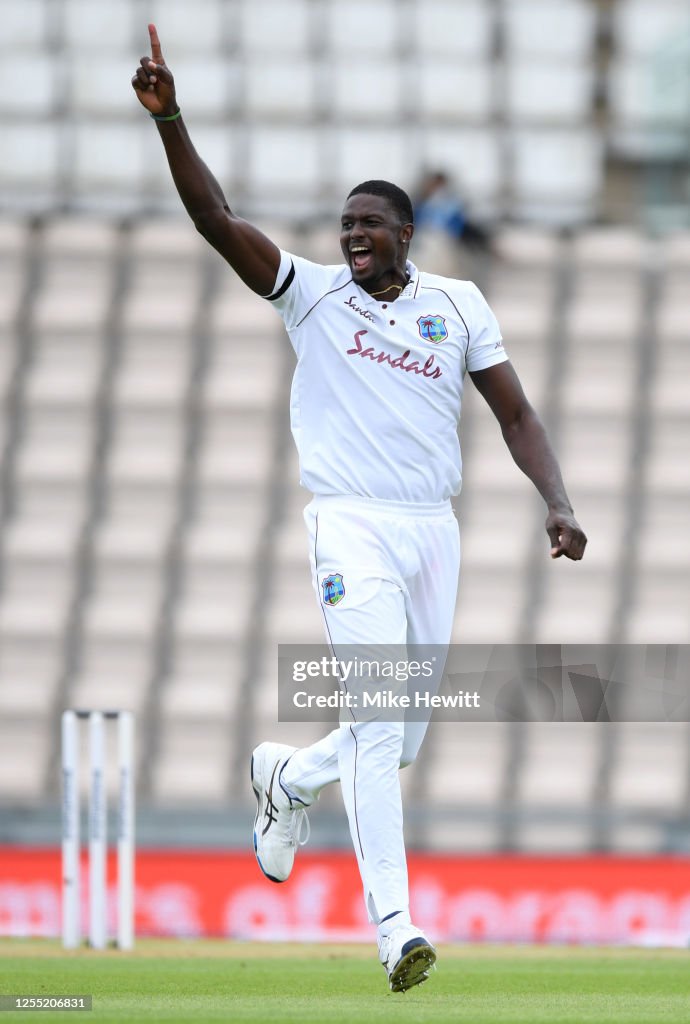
x=411, y=286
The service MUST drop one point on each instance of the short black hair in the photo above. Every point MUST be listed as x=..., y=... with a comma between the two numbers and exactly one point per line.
x=399, y=200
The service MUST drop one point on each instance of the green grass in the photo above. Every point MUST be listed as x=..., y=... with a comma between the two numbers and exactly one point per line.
x=204, y=981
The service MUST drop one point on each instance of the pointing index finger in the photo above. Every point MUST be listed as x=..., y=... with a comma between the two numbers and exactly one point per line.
x=156, y=52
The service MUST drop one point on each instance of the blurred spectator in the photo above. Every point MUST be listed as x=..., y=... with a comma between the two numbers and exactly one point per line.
x=443, y=231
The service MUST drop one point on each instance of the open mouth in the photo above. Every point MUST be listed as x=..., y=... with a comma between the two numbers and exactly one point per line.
x=360, y=256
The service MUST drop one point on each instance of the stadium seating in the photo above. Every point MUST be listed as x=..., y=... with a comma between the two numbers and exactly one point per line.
x=152, y=550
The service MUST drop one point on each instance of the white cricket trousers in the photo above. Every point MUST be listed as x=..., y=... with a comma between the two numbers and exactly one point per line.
x=399, y=565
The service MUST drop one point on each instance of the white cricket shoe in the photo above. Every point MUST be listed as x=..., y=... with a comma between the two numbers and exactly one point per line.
x=407, y=956
x=281, y=824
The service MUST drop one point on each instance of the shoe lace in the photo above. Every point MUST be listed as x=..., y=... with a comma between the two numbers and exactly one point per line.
x=300, y=829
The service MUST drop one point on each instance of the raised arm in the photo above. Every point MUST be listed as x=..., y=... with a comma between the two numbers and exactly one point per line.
x=529, y=445
x=249, y=252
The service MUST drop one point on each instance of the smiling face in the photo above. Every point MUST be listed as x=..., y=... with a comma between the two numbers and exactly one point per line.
x=374, y=242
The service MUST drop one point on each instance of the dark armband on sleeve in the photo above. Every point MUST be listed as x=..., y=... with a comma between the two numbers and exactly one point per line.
x=284, y=286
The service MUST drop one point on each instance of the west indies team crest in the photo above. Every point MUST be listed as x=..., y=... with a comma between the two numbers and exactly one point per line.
x=333, y=589
x=433, y=328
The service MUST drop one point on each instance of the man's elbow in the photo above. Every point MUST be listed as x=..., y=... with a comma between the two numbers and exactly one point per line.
x=522, y=419
x=211, y=224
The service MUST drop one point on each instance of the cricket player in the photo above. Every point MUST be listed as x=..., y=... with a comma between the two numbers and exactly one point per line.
x=382, y=351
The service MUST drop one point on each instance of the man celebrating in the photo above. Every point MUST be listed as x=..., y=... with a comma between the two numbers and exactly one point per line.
x=382, y=351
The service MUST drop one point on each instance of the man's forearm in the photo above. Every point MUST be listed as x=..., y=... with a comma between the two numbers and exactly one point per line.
x=532, y=452
x=198, y=189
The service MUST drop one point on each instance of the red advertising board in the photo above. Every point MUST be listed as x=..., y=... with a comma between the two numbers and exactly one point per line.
x=456, y=899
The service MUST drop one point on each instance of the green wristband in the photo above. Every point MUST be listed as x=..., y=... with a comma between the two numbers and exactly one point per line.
x=172, y=117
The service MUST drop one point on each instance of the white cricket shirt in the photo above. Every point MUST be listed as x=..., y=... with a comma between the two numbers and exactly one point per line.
x=377, y=392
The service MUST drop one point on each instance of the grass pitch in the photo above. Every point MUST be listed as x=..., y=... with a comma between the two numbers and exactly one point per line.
x=199, y=982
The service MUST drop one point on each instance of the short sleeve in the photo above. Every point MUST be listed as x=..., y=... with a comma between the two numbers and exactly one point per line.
x=485, y=346
x=298, y=287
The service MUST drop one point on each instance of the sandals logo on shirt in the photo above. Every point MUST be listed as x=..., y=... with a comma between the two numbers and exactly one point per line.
x=433, y=328
x=333, y=589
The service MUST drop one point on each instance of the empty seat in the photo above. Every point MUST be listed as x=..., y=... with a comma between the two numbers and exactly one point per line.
x=283, y=160
x=31, y=162
x=204, y=614
x=238, y=313
x=116, y=655
x=453, y=91
x=491, y=605
x=606, y=304
x=578, y=605
x=270, y=27
x=201, y=697
x=38, y=93
x=560, y=764
x=114, y=25
x=240, y=376
x=179, y=33
x=548, y=93
x=610, y=248
x=28, y=683
x=356, y=80
x=538, y=27
x=24, y=749
x=216, y=583
x=14, y=238
x=557, y=175
x=226, y=546
x=236, y=448
x=646, y=30
x=267, y=95
x=39, y=559
x=672, y=316
x=153, y=371
x=451, y=29
x=109, y=161
x=658, y=611
x=364, y=153
x=25, y=24
x=193, y=763
x=469, y=761
x=163, y=296
x=595, y=453
x=676, y=249
x=114, y=672
x=667, y=456
x=489, y=538
x=648, y=109
x=128, y=560
x=216, y=660
x=74, y=296
x=662, y=541
x=650, y=766
x=600, y=376
x=53, y=460
x=292, y=611
x=147, y=444
x=548, y=836
x=671, y=368
x=360, y=26
x=528, y=245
